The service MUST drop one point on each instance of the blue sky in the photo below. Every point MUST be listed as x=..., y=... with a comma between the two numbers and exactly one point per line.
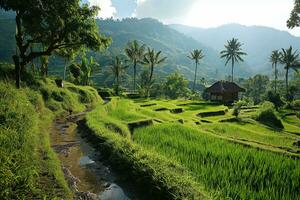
x=203, y=13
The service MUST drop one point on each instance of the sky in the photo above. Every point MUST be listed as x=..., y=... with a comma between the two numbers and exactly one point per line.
x=203, y=13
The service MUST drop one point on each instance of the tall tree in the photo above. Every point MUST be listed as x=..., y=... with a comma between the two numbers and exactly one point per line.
x=196, y=55
x=152, y=59
x=275, y=59
x=290, y=60
x=294, y=20
x=117, y=69
x=233, y=52
x=135, y=53
x=53, y=24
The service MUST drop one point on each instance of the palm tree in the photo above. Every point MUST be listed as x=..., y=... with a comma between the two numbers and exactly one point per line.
x=152, y=58
x=88, y=67
x=117, y=69
x=274, y=59
x=196, y=55
x=135, y=54
x=233, y=52
x=290, y=60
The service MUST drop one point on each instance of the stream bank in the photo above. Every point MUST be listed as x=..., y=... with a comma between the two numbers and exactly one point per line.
x=85, y=170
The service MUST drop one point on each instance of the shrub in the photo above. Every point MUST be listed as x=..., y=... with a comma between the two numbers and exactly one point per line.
x=266, y=115
x=296, y=105
x=275, y=99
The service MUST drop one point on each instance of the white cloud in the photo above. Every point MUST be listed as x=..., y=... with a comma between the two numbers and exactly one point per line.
x=164, y=10
x=107, y=9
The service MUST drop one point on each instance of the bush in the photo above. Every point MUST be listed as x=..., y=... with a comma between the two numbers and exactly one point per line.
x=237, y=108
x=266, y=115
x=275, y=99
x=296, y=105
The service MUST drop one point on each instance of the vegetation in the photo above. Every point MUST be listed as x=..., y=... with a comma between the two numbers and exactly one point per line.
x=275, y=59
x=196, y=55
x=209, y=152
x=29, y=168
x=233, y=52
x=70, y=26
x=135, y=53
x=266, y=115
x=290, y=60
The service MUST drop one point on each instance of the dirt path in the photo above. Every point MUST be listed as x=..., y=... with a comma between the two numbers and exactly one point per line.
x=86, y=174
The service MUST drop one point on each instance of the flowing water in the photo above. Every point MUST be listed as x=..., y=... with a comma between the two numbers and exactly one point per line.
x=87, y=176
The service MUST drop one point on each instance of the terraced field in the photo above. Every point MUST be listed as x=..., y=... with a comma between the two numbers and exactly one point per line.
x=239, y=159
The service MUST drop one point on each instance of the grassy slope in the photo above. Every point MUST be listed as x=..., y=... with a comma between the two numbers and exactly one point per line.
x=164, y=178
x=239, y=172
x=183, y=144
x=28, y=166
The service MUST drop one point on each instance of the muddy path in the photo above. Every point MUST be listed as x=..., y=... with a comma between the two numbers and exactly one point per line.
x=87, y=174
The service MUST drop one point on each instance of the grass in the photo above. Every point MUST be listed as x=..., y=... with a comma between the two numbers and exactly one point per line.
x=163, y=178
x=29, y=169
x=237, y=160
x=233, y=170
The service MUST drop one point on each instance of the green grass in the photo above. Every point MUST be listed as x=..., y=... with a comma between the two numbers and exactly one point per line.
x=29, y=169
x=233, y=170
x=237, y=160
x=167, y=178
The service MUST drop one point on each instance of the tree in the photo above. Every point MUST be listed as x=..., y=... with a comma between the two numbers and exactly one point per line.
x=152, y=59
x=290, y=60
x=233, y=52
x=88, y=66
x=275, y=59
x=256, y=87
x=176, y=86
x=294, y=20
x=54, y=25
x=135, y=54
x=196, y=55
x=117, y=68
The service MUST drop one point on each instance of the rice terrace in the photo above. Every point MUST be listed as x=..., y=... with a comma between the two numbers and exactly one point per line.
x=119, y=100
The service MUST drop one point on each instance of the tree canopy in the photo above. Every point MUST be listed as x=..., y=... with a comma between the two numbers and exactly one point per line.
x=52, y=26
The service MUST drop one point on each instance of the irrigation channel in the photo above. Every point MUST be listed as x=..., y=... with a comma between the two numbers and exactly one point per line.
x=87, y=174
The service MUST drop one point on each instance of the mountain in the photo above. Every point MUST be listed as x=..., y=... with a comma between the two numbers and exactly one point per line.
x=173, y=44
x=258, y=41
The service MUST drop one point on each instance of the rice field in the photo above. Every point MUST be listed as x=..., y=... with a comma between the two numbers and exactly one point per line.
x=241, y=159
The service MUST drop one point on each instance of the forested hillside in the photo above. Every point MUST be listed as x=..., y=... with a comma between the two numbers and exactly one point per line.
x=258, y=41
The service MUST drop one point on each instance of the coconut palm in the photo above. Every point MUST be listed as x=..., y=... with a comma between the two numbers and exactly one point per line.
x=196, y=55
x=275, y=59
x=233, y=52
x=152, y=59
x=117, y=68
x=290, y=60
x=135, y=53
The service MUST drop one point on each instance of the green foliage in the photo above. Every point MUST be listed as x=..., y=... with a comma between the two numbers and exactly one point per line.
x=275, y=99
x=196, y=55
x=17, y=139
x=233, y=52
x=118, y=71
x=296, y=104
x=145, y=167
x=135, y=54
x=237, y=108
x=256, y=87
x=266, y=115
x=235, y=171
x=176, y=86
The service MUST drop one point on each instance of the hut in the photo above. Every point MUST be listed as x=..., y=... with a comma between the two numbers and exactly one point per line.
x=224, y=91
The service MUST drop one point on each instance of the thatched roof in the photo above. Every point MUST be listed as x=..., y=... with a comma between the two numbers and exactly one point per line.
x=225, y=87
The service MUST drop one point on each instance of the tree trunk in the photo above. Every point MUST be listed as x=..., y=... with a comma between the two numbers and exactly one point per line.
x=194, y=85
x=65, y=70
x=275, y=78
x=134, y=76
x=17, y=70
x=232, y=65
x=151, y=73
x=287, y=81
